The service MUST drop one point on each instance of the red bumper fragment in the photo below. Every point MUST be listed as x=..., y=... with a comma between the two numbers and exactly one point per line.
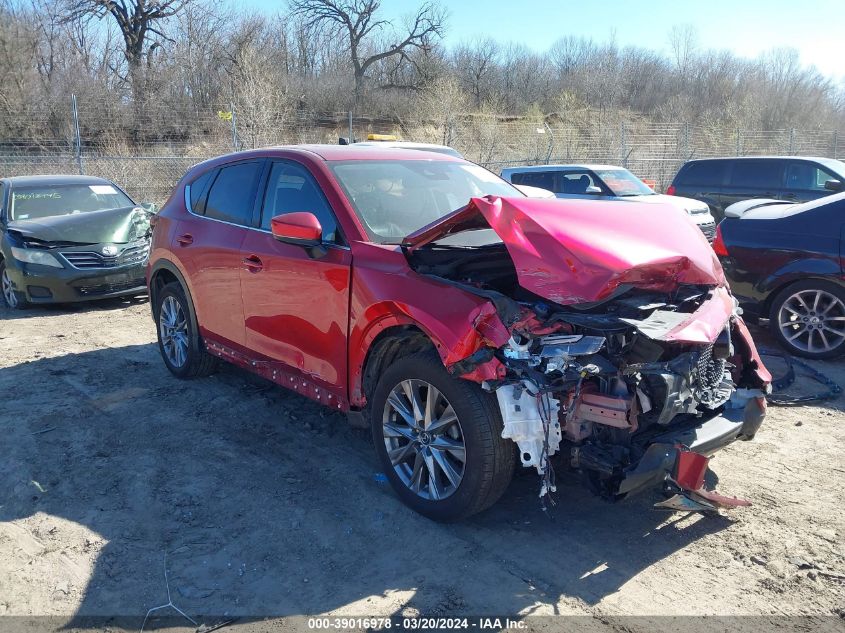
x=690, y=468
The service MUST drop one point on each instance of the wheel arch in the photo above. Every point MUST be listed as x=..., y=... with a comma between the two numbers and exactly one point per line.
x=162, y=273
x=384, y=342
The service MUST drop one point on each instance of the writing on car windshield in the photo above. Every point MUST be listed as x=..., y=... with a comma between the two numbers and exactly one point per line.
x=31, y=203
x=623, y=183
x=394, y=198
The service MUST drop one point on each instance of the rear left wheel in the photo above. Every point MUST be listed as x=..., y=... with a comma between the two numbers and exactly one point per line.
x=178, y=340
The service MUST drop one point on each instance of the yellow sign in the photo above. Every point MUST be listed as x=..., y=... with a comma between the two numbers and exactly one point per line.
x=225, y=116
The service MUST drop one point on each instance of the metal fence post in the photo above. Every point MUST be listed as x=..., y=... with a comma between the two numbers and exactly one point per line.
x=835, y=142
x=234, y=128
x=351, y=131
x=791, y=141
x=77, y=136
x=623, y=158
x=738, y=141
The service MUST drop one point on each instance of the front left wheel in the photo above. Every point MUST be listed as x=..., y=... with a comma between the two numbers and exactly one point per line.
x=178, y=340
x=11, y=298
x=439, y=439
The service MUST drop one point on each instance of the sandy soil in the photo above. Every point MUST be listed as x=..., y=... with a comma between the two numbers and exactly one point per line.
x=267, y=504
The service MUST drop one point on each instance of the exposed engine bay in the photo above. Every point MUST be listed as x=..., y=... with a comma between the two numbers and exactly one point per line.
x=601, y=383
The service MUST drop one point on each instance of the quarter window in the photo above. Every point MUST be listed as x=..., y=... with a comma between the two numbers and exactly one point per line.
x=705, y=172
x=760, y=174
x=197, y=189
x=292, y=188
x=232, y=196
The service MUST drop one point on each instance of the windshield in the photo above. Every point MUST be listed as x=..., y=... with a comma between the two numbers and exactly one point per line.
x=394, y=198
x=42, y=201
x=623, y=183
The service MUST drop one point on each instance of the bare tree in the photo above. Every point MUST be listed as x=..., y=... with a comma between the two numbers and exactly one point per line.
x=141, y=26
x=366, y=35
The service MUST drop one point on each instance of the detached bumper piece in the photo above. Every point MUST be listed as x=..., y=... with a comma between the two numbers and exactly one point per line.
x=688, y=478
x=680, y=458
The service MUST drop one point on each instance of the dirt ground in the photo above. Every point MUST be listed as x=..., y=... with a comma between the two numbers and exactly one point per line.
x=266, y=504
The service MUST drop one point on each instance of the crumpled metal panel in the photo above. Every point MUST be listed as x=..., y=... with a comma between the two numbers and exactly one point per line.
x=571, y=252
x=95, y=227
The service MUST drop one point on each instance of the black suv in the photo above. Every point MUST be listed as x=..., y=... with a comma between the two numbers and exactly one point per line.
x=722, y=181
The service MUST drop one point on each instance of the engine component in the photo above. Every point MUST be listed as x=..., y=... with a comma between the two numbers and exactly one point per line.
x=527, y=425
x=570, y=345
x=608, y=410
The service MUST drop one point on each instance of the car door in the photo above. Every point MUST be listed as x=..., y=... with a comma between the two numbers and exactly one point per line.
x=296, y=299
x=805, y=181
x=754, y=178
x=208, y=244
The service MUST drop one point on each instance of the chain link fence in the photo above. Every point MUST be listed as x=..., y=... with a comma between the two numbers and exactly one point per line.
x=146, y=152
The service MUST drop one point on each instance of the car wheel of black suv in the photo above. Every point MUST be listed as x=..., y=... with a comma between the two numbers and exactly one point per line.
x=439, y=439
x=808, y=319
x=11, y=298
x=178, y=337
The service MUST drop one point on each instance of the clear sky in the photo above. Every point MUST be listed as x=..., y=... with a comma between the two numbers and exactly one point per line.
x=747, y=27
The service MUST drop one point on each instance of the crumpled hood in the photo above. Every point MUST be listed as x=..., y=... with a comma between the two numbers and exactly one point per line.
x=572, y=252
x=94, y=227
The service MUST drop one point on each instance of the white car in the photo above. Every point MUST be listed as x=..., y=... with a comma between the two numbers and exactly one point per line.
x=606, y=182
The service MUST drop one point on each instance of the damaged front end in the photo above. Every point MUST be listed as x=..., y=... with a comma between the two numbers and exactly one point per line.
x=632, y=363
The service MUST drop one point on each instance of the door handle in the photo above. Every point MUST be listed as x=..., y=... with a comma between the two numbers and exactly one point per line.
x=789, y=196
x=186, y=239
x=253, y=264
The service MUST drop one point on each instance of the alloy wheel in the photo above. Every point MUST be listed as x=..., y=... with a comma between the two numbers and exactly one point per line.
x=424, y=440
x=813, y=321
x=8, y=292
x=173, y=328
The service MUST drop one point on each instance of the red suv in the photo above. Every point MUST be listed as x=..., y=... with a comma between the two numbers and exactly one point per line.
x=471, y=327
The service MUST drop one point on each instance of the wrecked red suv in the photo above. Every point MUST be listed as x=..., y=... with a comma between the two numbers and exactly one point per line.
x=471, y=327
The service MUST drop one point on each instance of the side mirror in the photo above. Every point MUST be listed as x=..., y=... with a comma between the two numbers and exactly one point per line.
x=300, y=228
x=149, y=207
x=592, y=189
x=833, y=185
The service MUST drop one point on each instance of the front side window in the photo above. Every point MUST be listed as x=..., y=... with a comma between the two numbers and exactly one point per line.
x=807, y=176
x=232, y=194
x=42, y=201
x=292, y=188
x=394, y=198
x=760, y=174
x=622, y=182
x=577, y=182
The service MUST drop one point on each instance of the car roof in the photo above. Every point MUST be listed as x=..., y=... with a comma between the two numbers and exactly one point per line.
x=432, y=147
x=69, y=179
x=326, y=152
x=816, y=159
x=558, y=167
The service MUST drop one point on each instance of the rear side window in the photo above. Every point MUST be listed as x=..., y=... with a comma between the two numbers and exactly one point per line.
x=761, y=174
x=197, y=190
x=291, y=188
x=807, y=176
x=706, y=172
x=232, y=195
x=542, y=179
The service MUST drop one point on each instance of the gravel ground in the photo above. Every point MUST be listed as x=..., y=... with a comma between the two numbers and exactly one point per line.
x=267, y=504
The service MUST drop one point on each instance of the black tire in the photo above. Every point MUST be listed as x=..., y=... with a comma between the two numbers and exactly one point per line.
x=800, y=346
x=197, y=361
x=489, y=459
x=18, y=303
